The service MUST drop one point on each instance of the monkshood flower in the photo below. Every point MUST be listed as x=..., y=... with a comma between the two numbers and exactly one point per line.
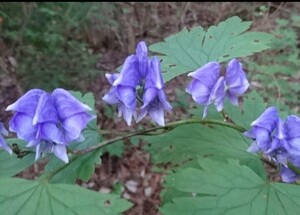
x=208, y=88
x=278, y=140
x=203, y=86
x=154, y=98
x=236, y=82
x=123, y=90
x=49, y=122
x=3, y=144
x=262, y=129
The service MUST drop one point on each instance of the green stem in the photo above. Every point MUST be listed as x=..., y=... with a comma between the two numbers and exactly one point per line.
x=167, y=127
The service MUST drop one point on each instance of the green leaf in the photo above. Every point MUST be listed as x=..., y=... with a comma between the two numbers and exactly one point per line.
x=253, y=107
x=188, y=50
x=229, y=188
x=19, y=196
x=184, y=144
x=10, y=165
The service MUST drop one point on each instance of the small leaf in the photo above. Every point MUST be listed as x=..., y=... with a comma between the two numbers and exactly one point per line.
x=19, y=196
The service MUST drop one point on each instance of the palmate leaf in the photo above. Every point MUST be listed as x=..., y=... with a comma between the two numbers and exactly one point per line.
x=229, y=189
x=188, y=50
x=19, y=196
x=184, y=144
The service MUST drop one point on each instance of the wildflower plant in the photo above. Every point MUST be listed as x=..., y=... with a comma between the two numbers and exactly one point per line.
x=217, y=164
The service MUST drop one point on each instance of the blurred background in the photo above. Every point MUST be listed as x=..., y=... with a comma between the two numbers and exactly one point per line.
x=72, y=45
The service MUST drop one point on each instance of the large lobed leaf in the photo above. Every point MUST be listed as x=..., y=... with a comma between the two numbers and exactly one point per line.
x=229, y=189
x=188, y=50
x=19, y=196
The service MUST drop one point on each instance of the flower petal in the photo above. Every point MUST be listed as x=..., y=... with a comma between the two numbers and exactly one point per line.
x=129, y=75
x=127, y=96
x=22, y=125
x=4, y=145
x=217, y=94
x=199, y=91
x=149, y=95
x=207, y=74
x=142, y=55
x=267, y=120
x=3, y=130
x=292, y=126
x=157, y=115
x=154, y=77
x=27, y=103
x=127, y=114
x=60, y=151
x=112, y=77
x=66, y=104
x=74, y=124
x=236, y=78
x=45, y=111
x=288, y=175
x=111, y=96
x=232, y=98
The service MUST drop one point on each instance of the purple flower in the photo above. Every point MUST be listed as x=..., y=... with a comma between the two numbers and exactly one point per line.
x=235, y=81
x=202, y=87
x=207, y=87
x=123, y=90
x=3, y=144
x=292, y=135
x=154, y=98
x=49, y=122
x=262, y=129
x=288, y=175
x=279, y=141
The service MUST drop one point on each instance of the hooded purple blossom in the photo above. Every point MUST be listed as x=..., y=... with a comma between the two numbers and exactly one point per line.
x=207, y=87
x=279, y=141
x=235, y=81
x=154, y=98
x=203, y=87
x=262, y=129
x=49, y=122
x=123, y=90
x=136, y=71
x=3, y=144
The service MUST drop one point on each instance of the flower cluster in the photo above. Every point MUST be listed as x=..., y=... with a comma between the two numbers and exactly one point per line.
x=278, y=140
x=209, y=87
x=138, y=70
x=3, y=144
x=49, y=122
